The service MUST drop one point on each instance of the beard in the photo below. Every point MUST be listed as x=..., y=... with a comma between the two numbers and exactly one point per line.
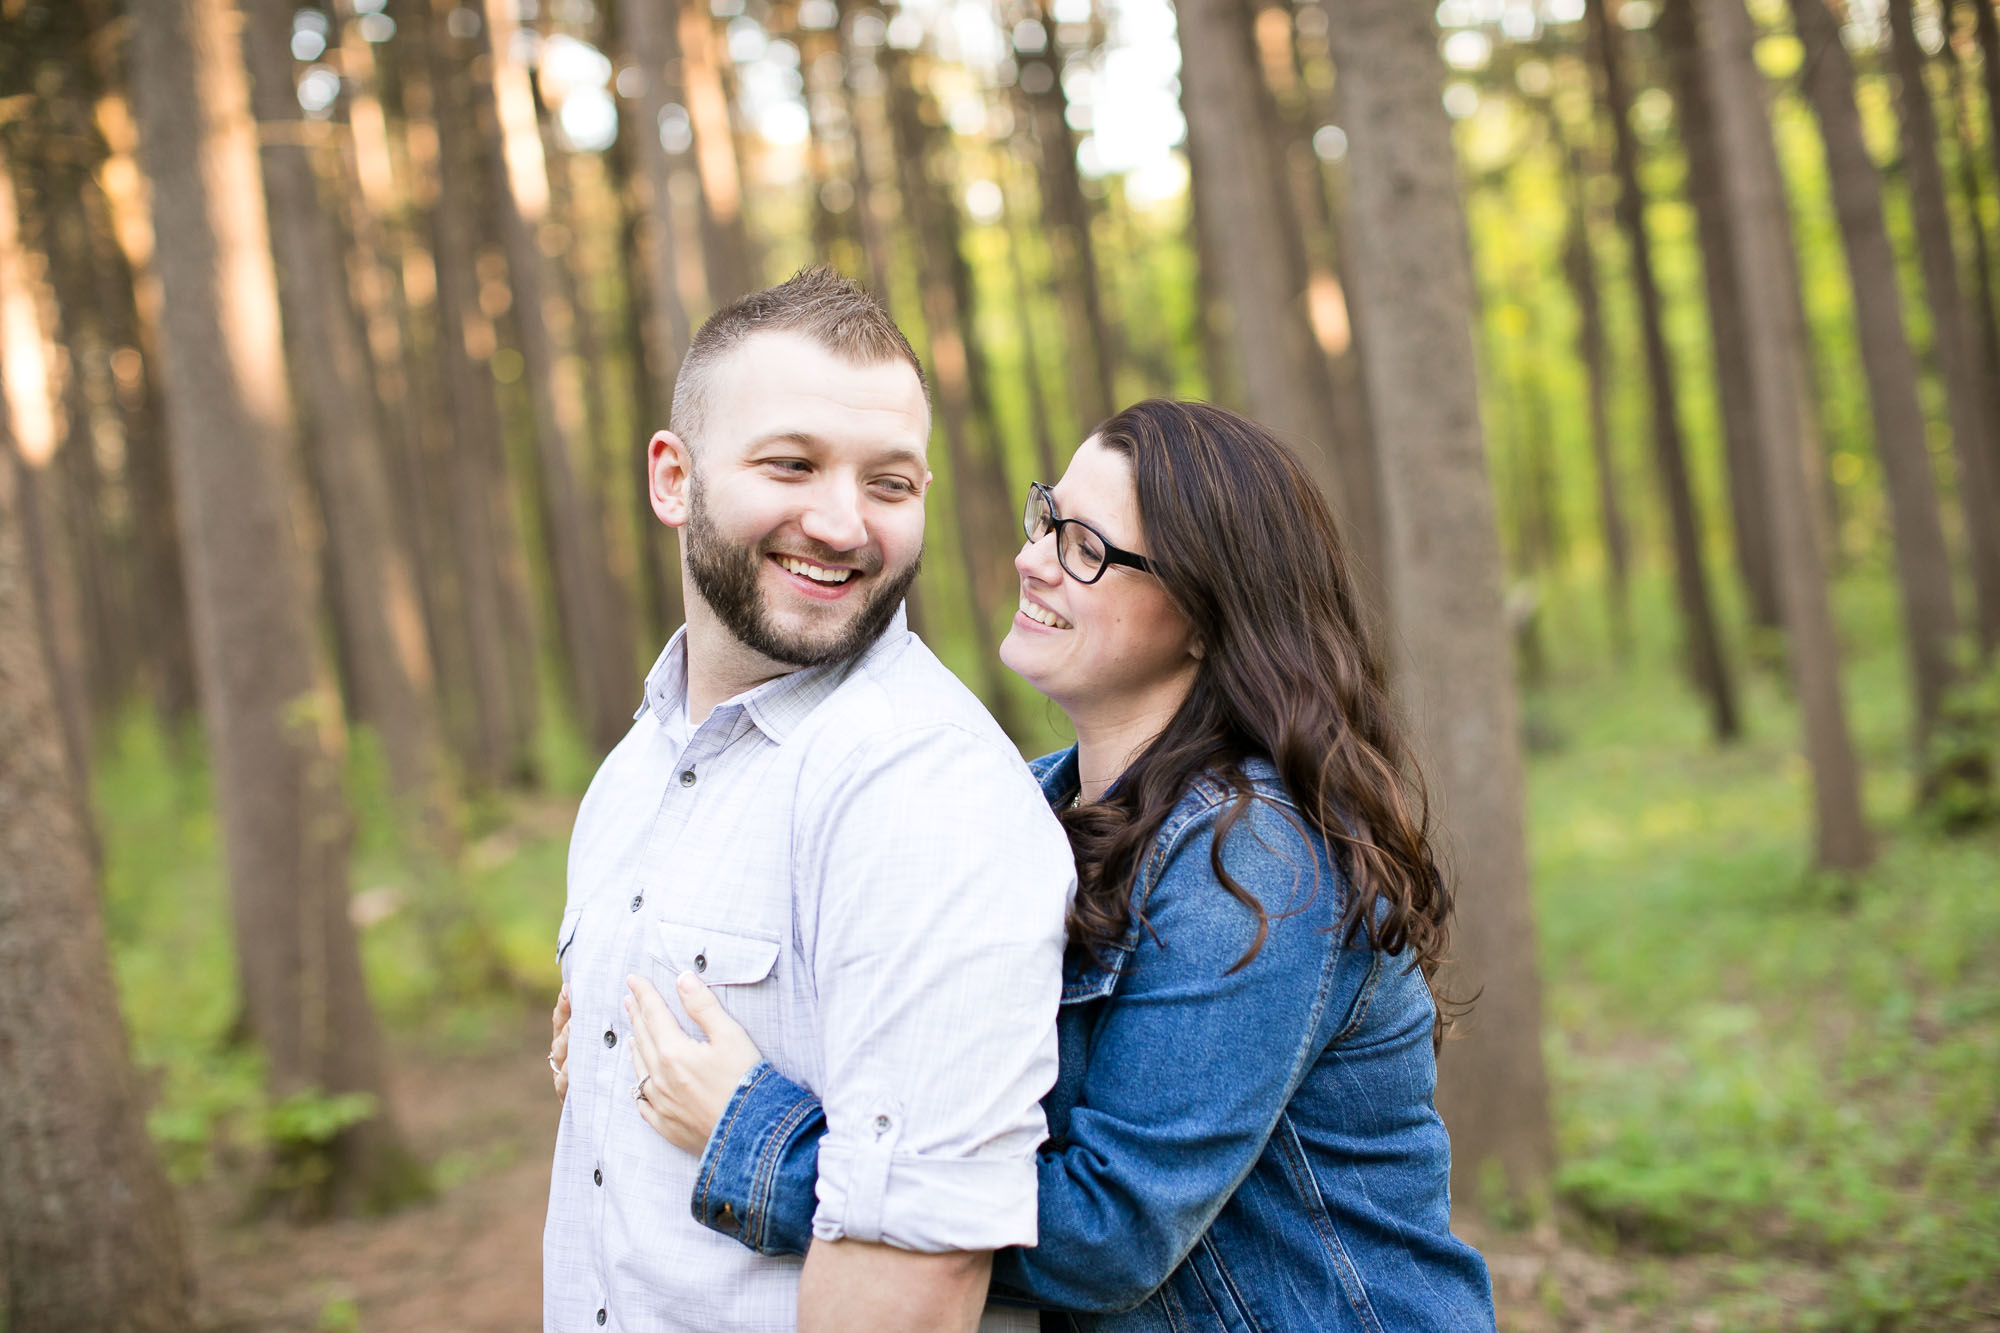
x=727, y=575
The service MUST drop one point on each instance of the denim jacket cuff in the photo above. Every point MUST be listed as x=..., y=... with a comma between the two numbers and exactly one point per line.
x=755, y=1182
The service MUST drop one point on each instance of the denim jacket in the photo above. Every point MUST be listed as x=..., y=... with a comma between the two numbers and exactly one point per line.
x=1248, y=1149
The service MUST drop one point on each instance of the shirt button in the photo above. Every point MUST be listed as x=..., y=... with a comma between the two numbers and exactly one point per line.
x=701, y=962
x=637, y=898
x=610, y=1037
x=600, y=1316
x=687, y=777
x=881, y=1124
x=597, y=1177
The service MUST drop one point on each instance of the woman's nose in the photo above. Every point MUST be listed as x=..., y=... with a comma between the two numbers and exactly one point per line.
x=1037, y=559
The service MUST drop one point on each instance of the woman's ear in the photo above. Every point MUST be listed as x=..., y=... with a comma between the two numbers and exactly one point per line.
x=669, y=477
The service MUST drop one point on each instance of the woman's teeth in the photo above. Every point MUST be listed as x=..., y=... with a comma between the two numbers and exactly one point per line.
x=1042, y=615
x=818, y=574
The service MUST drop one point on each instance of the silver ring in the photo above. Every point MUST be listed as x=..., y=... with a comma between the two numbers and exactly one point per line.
x=639, y=1091
x=554, y=1068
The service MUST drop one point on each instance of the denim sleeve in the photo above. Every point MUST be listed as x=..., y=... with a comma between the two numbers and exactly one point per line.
x=756, y=1177
x=1191, y=1065
x=1190, y=1068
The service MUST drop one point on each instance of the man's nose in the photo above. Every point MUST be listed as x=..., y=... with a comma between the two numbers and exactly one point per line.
x=834, y=517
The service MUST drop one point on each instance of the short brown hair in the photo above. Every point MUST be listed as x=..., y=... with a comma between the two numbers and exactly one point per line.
x=817, y=303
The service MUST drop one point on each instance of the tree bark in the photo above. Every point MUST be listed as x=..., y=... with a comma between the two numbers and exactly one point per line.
x=1986, y=320
x=1261, y=270
x=1580, y=269
x=1954, y=342
x=273, y=729
x=1413, y=286
x=978, y=482
x=1923, y=567
x=725, y=235
x=598, y=647
x=499, y=748
x=1756, y=202
x=1093, y=341
x=1730, y=365
x=87, y=1223
x=380, y=608
x=1709, y=666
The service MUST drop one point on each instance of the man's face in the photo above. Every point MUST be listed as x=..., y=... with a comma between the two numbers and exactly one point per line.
x=803, y=507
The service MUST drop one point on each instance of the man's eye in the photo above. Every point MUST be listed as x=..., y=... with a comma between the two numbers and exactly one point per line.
x=796, y=467
x=897, y=486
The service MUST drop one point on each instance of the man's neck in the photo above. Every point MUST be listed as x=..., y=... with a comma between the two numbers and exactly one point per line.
x=719, y=665
x=1109, y=736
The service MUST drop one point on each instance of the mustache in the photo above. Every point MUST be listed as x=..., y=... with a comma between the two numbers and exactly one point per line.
x=867, y=561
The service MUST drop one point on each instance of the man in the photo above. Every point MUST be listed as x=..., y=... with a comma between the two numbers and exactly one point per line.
x=812, y=815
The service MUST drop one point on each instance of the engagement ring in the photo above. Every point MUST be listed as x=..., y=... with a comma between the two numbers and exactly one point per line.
x=639, y=1092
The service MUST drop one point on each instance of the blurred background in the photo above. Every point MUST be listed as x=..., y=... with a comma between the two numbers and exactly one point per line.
x=1649, y=351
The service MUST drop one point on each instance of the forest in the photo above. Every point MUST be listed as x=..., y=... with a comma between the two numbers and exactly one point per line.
x=1648, y=352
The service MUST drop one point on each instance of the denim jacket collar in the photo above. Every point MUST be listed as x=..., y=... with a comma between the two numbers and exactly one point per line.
x=1087, y=975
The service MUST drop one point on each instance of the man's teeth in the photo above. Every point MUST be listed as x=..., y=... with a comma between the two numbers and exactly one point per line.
x=1043, y=615
x=806, y=569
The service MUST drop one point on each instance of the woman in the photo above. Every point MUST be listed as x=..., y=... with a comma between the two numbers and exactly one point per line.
x=1242, y=1133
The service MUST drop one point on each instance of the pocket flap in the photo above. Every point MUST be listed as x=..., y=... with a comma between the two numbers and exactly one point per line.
x=567, y=931
x=718, y=957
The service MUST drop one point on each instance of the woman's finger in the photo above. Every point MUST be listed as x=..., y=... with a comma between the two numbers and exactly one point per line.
x=706, y=1010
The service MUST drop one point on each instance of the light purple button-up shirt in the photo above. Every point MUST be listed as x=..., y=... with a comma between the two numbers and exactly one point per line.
x=859, y=864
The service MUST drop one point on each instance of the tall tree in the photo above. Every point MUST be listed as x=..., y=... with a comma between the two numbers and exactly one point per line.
x=597, y=640
x=379, y=607
x=273, y=729
x=1954, y=341
x=1757, y=206
x=497, y=747
x=1259, y=255
x=725, y=233
x=1093, y=345
x=1695, y=119
x=1703, y=644
x=87, y=1223
x=1413, y=285
x=1923, y=567
x=978, y=480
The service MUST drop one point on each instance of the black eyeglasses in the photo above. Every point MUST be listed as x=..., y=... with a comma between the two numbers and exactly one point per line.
x=1081, y=550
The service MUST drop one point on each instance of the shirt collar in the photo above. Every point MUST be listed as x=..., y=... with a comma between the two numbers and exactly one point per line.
x=777, y=706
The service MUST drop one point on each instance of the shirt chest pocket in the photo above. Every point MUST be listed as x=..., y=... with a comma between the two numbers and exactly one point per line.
x=717, y=957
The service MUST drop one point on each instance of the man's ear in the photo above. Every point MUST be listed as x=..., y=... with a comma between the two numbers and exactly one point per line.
x=669, y=477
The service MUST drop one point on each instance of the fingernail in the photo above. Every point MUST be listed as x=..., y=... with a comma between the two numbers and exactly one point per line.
x=687, y=981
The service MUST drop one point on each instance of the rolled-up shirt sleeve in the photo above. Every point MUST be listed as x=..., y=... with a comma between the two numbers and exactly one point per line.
x=937, y=959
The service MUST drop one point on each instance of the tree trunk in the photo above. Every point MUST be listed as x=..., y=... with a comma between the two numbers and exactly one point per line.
x=1981, y=523
x=1954, y=343
x=1923, y=568
x=380, y=610
x=978, y=483
x=273, y=729
x=1731, y=367
x=1756, y=202
x=1413, y=286
x=1093, y=345
x=87, y=1223
x=1261, y=270
x=1580, y=269
x=725, y=236
x=1705, y=658
x=1986, y=25
x=499, y=749
x=598, y=647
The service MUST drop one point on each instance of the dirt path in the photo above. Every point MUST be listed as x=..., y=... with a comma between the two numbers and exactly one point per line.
x=468, y=1262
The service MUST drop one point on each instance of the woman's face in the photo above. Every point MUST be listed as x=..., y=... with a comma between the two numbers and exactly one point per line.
x=1118, y=643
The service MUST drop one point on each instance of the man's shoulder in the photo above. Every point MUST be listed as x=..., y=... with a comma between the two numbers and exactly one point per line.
x=900, y=695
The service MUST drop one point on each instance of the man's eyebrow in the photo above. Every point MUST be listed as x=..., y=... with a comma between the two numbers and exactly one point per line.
x=901, y=458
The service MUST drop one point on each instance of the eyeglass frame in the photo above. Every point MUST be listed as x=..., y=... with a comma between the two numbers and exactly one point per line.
x=1114, y=554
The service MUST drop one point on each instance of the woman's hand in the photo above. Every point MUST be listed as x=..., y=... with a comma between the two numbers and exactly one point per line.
x=685, y=1083
x=559, y=1043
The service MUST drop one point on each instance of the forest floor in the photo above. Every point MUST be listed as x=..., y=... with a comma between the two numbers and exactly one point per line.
x=1774, y=1094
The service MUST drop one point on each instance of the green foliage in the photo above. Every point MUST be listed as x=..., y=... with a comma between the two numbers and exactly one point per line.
x=1963, y=761
x=1746, y=1062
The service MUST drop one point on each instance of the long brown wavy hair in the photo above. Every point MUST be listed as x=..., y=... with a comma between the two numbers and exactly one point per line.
x=1245, y=545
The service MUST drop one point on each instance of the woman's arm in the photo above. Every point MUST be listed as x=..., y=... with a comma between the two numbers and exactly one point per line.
x=1190, y=1069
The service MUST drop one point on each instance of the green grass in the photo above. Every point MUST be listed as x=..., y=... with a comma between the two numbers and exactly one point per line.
x=1749, y=1059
